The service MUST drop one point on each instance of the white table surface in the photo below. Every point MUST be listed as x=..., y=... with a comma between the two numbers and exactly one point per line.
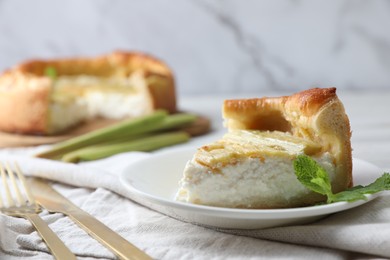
x=370, y=123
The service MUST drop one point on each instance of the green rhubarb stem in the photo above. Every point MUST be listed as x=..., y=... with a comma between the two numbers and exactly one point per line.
x=128, y=127
x=176, y=121
x=171, y=122
x=144, y=144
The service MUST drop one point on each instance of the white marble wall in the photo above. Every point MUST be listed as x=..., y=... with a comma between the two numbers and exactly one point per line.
x=229, y=46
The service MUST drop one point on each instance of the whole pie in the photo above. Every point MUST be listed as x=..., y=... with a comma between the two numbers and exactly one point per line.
x=51, y=96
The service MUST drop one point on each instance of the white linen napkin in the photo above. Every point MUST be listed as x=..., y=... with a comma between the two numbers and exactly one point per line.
x=362, y=232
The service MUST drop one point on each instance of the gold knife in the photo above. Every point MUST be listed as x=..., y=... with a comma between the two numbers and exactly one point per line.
x=53, y=201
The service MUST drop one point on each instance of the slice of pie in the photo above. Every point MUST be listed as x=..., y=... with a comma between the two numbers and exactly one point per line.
x=50, y=96
x=252, y=165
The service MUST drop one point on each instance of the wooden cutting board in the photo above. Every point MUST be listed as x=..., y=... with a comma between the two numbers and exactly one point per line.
x=201, y=126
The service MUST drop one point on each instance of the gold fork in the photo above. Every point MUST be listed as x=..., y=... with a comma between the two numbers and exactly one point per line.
x=22, y=204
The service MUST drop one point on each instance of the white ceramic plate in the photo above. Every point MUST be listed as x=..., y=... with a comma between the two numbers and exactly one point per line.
x=153, y=182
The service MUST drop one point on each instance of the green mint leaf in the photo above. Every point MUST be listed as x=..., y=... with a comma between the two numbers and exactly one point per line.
x=315, y=178
x=357, y=192
x=51, y=72
x=380, y=184
x=348, y=195
x=312, y=175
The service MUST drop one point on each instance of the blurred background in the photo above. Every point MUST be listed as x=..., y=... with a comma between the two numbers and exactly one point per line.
x=229, y=46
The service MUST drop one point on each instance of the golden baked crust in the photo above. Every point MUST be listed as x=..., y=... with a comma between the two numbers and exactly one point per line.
x=315, y=114
x=25, y=90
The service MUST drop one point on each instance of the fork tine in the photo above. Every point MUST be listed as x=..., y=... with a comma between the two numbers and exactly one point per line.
x=14, y=183
x=5, y=184
x=29, y=210
x=22, y=179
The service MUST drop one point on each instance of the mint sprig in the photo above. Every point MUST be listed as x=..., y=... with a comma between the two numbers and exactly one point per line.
x=314, y=177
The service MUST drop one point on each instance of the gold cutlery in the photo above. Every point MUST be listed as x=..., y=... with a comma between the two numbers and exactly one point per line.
x=53, y=201
x=21, y=203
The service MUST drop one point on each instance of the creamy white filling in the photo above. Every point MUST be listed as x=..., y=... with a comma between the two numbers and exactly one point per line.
x=96, y=104
x=80, y=98
x=115, y=105
x=63, y=115
x=246, y=184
